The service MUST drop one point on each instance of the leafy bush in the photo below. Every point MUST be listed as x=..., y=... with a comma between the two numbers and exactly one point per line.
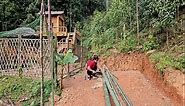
x=180, y=62
x=163, y=60
x=127, y=44
x=150, y=43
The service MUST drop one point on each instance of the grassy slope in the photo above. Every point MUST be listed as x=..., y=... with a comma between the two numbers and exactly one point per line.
x=24, y=89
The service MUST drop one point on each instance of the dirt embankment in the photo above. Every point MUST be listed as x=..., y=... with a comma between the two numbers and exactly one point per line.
x=171, y=84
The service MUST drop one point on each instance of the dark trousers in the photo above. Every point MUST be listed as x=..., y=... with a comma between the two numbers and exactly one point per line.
x=91, y=74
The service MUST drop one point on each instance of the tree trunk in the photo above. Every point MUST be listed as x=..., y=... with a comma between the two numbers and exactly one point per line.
x=167, y=40
x=61, y=78
x=107, y=4
x=137, y=18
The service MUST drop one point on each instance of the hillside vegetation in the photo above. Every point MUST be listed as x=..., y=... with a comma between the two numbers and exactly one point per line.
x=159, y=29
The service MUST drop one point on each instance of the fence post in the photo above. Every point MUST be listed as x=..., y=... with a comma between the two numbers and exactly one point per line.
x=19, y=51
x=55, y=63
x=67, y=50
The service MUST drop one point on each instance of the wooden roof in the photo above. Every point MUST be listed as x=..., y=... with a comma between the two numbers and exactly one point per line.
x=55, y=12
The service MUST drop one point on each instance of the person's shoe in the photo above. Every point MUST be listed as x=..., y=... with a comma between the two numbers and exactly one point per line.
x=89, y=77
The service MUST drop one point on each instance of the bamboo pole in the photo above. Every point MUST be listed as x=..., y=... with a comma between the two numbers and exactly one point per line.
x=51, y=49
x=41, y=53
x=123, y=95
x=116, y=92
x=68, y=49
x=19, y=52
x=70, y=26
x=106, y=92
x=112, y=91
x=55, y=64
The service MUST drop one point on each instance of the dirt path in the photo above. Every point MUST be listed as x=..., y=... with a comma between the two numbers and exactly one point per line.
x=80, y=92
x=140, y=90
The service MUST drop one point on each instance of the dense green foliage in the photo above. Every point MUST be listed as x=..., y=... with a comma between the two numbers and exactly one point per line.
x=116, y=28
x=102, y=29
x=158, y=13
x=25, y=89
x=163, y=61
x=15, y=13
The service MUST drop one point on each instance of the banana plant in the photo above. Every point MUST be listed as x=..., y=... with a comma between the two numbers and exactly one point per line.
x=64, y=59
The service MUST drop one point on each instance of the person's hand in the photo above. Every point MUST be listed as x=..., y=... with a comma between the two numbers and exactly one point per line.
x=93, y=71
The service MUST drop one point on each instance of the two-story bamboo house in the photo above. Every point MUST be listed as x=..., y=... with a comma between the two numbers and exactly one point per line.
x=65, y=38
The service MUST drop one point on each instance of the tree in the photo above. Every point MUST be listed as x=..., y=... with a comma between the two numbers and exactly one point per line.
x=18, y=13
x=137, y=18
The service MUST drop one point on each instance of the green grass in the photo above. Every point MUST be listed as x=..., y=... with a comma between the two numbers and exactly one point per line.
x=14, y=86
x=17, y=88
x=164, y=60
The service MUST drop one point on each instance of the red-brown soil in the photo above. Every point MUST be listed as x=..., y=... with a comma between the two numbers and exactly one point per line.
x=138, y=78
x=140, y=62
x=80, y=92
x=140, y=90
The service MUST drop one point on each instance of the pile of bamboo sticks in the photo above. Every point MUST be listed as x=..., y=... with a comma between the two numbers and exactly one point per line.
x=114, y=94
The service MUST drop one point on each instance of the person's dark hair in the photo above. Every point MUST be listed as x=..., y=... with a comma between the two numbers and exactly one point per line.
x=95, y=57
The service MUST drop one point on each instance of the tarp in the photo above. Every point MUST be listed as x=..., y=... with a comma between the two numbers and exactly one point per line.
x=24, y=31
